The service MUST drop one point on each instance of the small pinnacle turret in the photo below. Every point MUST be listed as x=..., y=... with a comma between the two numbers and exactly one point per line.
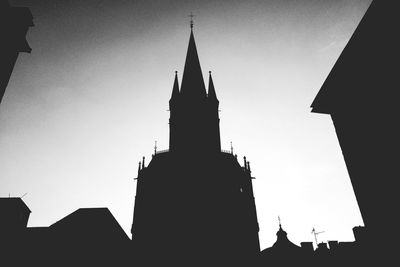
x=211, y=90
x=175, y=89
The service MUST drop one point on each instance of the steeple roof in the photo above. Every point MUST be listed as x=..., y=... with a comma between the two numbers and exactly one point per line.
x=175, y=89
x=211, y=89
x=192, y=80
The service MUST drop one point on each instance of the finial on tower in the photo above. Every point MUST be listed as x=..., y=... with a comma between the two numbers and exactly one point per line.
x=191, y=20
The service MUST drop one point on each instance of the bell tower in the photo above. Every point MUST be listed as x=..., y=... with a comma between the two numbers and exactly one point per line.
x=194, y=120
x=194, y=203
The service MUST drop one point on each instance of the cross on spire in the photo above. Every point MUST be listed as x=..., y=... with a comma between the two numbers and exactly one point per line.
x=191, y=20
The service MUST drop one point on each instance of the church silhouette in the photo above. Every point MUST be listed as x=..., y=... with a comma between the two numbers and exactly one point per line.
x=194, y=202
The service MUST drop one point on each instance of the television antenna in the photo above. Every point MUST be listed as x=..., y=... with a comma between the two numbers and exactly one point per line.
x=315, y=233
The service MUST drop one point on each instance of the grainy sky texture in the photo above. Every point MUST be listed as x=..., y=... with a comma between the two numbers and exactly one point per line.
x=90, y=100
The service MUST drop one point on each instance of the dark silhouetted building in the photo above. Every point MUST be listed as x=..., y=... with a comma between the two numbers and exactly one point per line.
x=333, y=253
x=14, y=24
x=194, y=203
x=361, y=96
x=86, y=237
x=90, y=237
x=14, y=215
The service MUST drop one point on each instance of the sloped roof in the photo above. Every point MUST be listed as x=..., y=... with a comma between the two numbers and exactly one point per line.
x=89, y=220
x=364, y=76
x=13, y=203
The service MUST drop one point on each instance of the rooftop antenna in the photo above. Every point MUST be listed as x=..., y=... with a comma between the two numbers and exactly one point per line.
x=231, y=148
x=191, y=20
x=315, y=233
x=279, y=220
x=155, y=147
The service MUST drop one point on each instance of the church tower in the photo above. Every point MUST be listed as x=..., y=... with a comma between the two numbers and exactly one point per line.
x=194, y=119
x=194, y=203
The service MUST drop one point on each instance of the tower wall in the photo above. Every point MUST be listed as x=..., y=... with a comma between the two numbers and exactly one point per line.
x=194, y=126
x=196, y=208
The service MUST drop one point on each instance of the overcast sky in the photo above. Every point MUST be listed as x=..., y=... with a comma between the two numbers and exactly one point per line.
x=90, y=100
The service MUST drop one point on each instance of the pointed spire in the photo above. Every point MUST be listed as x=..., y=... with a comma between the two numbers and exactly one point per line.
x=175, y=89
x=192, y=80
x=211, y=90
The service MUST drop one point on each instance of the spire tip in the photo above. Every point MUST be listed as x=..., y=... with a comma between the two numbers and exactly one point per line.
x=191, y=20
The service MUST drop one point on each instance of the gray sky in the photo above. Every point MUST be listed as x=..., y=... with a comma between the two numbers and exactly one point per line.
x=83, y=108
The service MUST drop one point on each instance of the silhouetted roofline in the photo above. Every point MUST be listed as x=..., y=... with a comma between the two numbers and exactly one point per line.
x=14, y=201
x=85, y=212
x=335, y=93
